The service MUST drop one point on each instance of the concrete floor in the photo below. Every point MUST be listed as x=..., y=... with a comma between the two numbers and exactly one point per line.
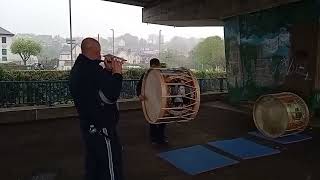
x=55, y=147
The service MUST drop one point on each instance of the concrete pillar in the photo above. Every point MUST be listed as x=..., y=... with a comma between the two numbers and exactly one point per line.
x=317, y=74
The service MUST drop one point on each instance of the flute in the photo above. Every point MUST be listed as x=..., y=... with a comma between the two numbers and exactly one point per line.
x=109, y=58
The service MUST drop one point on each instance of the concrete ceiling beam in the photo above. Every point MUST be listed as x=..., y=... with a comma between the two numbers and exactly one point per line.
x=178, y=12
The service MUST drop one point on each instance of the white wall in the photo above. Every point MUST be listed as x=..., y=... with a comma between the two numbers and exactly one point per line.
x=65, y=59
x=6, y=46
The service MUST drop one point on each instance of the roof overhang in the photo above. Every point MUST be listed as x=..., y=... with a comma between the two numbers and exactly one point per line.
x=129, y=2
x=189, y=23
x=198, y=12
x=10, y=35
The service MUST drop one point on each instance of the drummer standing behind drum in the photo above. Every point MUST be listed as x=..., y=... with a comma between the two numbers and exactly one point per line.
x=95, y=91
x=157, y=134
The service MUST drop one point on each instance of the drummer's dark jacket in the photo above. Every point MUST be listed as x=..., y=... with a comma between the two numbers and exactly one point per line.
x=139, y=85
x=87, y=77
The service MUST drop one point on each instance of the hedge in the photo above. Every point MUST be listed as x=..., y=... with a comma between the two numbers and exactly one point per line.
x=37, y=75
x=27, y=75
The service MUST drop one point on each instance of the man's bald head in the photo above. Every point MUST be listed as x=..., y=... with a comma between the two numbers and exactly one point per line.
x=91, y=48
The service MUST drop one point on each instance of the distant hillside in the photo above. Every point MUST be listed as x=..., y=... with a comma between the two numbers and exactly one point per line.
x=175, y=52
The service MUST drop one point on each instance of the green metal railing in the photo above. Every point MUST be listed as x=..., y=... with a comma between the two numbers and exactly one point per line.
x=22, y=93
x=29, y=93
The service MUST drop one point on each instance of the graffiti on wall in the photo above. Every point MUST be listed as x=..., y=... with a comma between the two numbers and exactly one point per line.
x=298, y=66
x=258, y=49
x=271, y=56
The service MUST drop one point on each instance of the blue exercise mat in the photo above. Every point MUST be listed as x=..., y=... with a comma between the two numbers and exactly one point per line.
x=243, y=148
x=293, y=138
x=196, y=159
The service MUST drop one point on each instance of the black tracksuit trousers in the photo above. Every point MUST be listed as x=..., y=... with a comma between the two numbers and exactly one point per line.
x=103, y=156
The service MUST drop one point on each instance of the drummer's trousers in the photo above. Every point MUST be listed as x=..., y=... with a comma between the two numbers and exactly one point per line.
x=103, y=159
x=156, y=132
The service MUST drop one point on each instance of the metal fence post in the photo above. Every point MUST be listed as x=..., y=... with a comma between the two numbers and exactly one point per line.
x=221, y=88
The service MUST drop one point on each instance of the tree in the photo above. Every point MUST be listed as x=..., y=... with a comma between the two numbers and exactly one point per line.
x=25, y=48
x=181, y=44
x=51, y=46
x=175, y=59
x=143, y=44
x=131, y=42
x=210, y=53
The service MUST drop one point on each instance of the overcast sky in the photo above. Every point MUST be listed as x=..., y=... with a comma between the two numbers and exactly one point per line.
x=89, y=17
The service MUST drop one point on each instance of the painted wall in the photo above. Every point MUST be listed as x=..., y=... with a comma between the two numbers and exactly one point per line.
x=271, y=51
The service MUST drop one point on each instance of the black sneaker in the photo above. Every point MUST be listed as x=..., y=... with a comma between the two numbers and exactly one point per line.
x=154, y=141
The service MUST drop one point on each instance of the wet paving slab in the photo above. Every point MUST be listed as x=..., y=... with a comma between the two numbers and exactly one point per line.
x=53, y=149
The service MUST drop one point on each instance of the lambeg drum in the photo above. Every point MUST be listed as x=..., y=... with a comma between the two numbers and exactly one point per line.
x=171, y=95
x=280, y=114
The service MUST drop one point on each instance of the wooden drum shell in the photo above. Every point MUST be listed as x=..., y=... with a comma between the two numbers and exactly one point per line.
x=280, y=114
x=157, y=89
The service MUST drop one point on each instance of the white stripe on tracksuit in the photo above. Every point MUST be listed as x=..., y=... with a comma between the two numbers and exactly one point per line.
x=106, y=100
x=109, y=154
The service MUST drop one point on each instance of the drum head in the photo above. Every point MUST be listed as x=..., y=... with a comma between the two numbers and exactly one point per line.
x=270, y=116
x=153, y=92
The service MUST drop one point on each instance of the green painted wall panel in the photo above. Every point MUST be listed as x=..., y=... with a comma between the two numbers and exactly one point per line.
x=258, y=48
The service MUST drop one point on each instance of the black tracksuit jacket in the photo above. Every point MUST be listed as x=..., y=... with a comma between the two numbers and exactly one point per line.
x=87, y=77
